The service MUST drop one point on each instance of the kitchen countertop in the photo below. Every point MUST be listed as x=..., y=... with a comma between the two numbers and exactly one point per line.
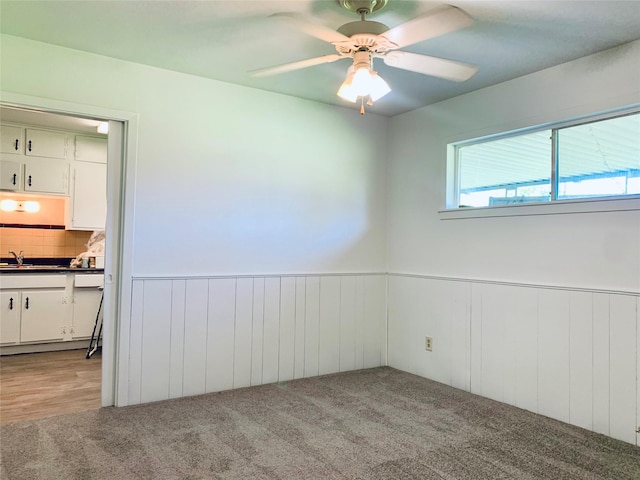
x=11, y=269
x=43, y=265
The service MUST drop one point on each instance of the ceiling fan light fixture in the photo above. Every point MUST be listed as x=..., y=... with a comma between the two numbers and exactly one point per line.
x=379, y=88
x=362, y=81
x=346, y=90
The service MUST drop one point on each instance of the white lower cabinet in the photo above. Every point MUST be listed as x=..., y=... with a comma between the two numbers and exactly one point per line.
x=10, y=317
x=42, y=308
x=86, y=301
x=44, y=314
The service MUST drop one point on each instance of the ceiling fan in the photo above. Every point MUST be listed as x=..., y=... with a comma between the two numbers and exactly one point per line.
x=364, y=40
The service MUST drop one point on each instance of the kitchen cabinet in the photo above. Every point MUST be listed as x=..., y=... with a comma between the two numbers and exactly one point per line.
x=88, y=205
x=43, y=315
x=11, y=139
x=34, y=160
x=10, y=175
x=91, y=149
x=9, y=317
x=33, y=142
x=86, y=300
x=46, y=176
x=43, y=143
x=48, y=308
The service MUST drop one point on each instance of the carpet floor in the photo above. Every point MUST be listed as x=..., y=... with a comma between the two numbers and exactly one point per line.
x=371, y=424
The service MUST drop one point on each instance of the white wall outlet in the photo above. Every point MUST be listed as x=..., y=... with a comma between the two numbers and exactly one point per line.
x=428, y=344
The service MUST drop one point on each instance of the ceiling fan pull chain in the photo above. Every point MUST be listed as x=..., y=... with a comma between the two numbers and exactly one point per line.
x=361, y=105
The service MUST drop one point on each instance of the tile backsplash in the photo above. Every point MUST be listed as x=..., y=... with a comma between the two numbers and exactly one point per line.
x=40, y=242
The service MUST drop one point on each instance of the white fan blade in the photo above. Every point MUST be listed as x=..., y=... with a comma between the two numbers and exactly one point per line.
x=312, y=29
x=289, y=67
x=430, y=25
x=427, y=65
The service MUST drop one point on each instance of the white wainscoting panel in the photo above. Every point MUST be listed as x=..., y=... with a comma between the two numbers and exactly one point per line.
x=622, y=388
x=196, y=335
x=570, y=354
x=581, y=361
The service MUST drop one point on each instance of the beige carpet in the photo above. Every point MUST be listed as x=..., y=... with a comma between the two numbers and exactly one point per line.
x=371, y=424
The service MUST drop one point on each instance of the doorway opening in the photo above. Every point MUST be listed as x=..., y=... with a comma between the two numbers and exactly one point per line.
x=73, y=173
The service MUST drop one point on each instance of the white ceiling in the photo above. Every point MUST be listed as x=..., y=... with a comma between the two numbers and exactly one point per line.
x=224, y=40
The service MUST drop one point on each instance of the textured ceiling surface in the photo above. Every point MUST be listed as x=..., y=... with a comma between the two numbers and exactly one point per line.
x=225, y=40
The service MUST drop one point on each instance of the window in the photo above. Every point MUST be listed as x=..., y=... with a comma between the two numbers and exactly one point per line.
x=589, y=160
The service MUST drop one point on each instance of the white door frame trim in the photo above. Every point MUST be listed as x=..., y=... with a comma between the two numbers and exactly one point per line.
x=121, y=172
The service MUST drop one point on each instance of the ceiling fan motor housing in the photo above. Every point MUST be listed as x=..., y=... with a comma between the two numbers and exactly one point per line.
x=367, y=6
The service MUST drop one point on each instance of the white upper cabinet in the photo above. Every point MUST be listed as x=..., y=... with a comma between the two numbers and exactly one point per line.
x=10, y=175
x=42, y=143
x=11, y=139
x=88, y=196
x=47, y=176
x=91, y=149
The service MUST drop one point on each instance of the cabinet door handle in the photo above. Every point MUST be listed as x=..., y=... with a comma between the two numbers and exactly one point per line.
x=29, y=180
x=11, y=303
x=29, y=145
x=26, y=304
x=15, y=177
x=17, y=144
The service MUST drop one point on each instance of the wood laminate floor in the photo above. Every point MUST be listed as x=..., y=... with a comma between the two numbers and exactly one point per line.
x=37, y=385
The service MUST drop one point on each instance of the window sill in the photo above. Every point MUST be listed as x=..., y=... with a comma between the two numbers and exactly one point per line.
x=559, y=207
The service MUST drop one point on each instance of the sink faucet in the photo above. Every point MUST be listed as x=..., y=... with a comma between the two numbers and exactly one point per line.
x=19, y=257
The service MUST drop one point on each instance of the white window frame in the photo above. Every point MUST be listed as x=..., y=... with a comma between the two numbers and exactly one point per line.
x=554, y=205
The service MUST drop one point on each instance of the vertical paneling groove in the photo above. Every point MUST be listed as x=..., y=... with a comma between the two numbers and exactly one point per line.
x=135, y=342
x=312, y=326
x=177, y=338
x=374, y=321
x=622, y=389
x=601, y=363
x=257, y=331
x=195, y=336
x=242, y=352
x=286, y=329
x=221, y=334
x=359, y=322
x=553, y=354
x=300, y=319
x=271, y=335
x=493, y=345
x=525, y=316
x=347, y=323
x=156, y=341
x=581, y=387
x=476, y=338
x=329, y=348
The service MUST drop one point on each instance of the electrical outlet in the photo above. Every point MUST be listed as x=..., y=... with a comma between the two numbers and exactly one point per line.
x=428, y=344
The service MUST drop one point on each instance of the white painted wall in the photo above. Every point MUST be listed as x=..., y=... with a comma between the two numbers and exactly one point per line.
x=228, y=182
x=566, y=352
x=542, y=249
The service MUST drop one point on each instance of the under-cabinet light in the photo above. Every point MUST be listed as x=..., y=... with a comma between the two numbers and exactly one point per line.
x=8, y=205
